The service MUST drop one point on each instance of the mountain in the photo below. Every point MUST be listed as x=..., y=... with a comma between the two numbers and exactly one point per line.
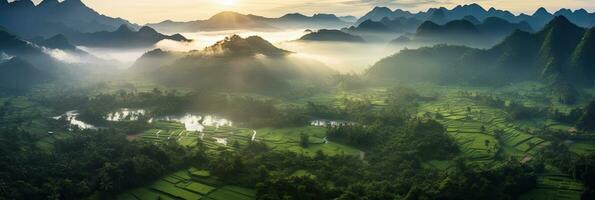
x=14, y=46
x=498, y=27
x=442, y=15
x=464, y=32
x=237, y=21
x=17, y=75
x=438, y=16
x=348, y=19
x=556, y=55
x=472, y=19
x=52, y=17
x=456, y=31
x=233, y=64
x=539, y=18
x=123, y=37
x=59, y=42
x=582, y=60
x=369, y=26
x=376, y=14
x=331, y=35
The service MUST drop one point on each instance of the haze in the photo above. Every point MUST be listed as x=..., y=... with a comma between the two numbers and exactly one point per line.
x=148, y=11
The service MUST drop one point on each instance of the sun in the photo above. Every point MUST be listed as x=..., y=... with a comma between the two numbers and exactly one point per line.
x=226, y=2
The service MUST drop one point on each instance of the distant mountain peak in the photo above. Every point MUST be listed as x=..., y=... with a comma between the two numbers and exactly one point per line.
x=325, y=16
x=294, y=15
x=541, y=12
x=331, y=35
x=559, y=22
x=381, y=9
x=473, y=6
x=124, y=28
x=57, y=42
x=225, y=14
x=581, y=11
x=146, y=29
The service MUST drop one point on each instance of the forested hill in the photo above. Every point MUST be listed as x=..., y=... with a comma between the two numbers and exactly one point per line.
x=558, y=55
x=249, y=64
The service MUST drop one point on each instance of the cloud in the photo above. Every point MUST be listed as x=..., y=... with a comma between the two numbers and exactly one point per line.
x=4, y=57
x=61, y=55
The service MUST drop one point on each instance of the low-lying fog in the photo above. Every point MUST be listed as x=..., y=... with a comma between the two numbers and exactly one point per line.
x=341, y=56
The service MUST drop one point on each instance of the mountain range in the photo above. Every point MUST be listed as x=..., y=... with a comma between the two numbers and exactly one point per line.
x=465, y=32
x=331, y=36
x=237, y=21
x=561, y=55
x=52, y=17
x=443, y=15
x=123, y=37
x=249, y=64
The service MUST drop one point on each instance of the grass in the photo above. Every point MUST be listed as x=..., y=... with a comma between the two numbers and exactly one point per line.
x=173, y=190
x=199, y=187
x=180, y=185
x=225, y=194
x=289, y=139
x=583, y=147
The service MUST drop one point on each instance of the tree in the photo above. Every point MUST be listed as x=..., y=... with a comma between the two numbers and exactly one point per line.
x=304, y=140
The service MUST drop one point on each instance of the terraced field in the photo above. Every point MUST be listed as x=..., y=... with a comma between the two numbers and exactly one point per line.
x=288, y=139
x=555, y=186
x=583, y=146
x=192, y=184
x=376, y=96
x=475, y=128
x=282, y=139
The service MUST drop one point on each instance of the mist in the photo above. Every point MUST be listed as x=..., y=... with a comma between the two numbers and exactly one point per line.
x=126, y=57
x=4, y=56
x=342, y=56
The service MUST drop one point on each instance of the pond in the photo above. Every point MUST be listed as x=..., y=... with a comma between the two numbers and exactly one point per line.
x=191, y=122
x=125, y=114
x=325, y=123
x=197, y=123
x=72, y=117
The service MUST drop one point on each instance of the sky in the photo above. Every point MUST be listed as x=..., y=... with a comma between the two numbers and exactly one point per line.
x=150, y=11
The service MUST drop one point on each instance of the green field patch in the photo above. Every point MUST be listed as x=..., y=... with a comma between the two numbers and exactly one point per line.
x=182, y=174
x=199, y=173
x=583, y=147
x=172, y=179
x=225, y=194
x=170, y=189
x=241, y=190
x=144, y=193
x=199, y=187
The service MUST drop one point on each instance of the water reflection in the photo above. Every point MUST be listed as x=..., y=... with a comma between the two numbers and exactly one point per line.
x=222, y=141
x=72, y=118
x=125, y=114
x=325, y=123
x=197, y=123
